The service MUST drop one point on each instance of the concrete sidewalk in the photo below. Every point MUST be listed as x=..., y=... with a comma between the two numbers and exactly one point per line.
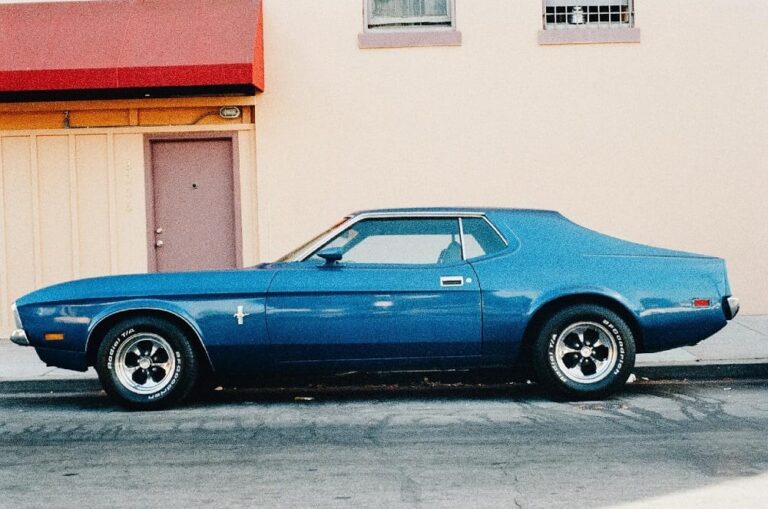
x=741, y=349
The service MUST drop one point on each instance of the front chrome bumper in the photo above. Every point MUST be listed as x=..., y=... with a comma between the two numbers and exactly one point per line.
x=730, y=307
x=20, y=337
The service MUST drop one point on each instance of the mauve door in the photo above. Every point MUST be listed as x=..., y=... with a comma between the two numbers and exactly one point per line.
x=194, y=213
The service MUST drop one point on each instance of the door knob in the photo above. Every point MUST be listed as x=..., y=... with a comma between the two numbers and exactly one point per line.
x=158, y=243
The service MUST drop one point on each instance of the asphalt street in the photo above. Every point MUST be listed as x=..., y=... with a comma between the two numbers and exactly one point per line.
x=63, y=444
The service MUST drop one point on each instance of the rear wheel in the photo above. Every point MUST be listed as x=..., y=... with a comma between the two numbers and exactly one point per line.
x=584, y=351
x=146, y=364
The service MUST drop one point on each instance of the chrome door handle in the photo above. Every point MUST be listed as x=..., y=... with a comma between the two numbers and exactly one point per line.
x=451, y=281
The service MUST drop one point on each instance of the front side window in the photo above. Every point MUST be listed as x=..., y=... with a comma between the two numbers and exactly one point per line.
x=399, y=14
x=399, y=241
x=576, y=14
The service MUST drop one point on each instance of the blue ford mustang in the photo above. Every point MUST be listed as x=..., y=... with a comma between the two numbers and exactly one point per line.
x=404, y=289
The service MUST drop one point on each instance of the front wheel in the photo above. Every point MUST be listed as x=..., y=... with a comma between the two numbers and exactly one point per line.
x=146, y=364
x=584, y=351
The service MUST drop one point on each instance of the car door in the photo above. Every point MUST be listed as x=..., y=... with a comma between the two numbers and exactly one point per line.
x=401, y=292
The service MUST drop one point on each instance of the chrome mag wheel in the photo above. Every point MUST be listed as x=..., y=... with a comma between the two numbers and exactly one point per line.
x=145, y=363
x=586, y=352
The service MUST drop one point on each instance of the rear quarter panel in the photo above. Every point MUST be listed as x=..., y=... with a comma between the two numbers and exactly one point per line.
x=552, y=260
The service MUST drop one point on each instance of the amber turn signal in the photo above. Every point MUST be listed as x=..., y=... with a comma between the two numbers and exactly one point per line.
x=54, y=336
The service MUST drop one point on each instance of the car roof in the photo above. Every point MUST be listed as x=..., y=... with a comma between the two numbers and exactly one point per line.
x=453, y=210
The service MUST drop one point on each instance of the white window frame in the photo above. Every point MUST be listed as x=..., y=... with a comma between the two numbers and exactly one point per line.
x=379, y=24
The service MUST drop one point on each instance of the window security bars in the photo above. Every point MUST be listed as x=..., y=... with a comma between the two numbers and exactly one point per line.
x=575, y=14
x=409, y=13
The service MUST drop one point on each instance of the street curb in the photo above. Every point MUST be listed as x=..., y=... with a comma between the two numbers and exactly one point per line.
x=703, y=371
x=49, y=385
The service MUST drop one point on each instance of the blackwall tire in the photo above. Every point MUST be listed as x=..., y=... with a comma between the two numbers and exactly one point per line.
x=584, y=351
x=146, y=364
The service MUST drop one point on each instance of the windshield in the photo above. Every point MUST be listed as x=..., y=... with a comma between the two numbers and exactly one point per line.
x=290, y=257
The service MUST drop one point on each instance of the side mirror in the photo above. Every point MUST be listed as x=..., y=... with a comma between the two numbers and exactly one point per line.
x=331, y=255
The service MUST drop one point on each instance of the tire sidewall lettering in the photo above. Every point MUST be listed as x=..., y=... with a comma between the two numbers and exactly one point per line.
x=168, y=388
x=619, y=345
x=121, y=337
x=552, y=358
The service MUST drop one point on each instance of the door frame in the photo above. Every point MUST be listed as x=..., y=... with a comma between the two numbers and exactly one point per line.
x=149, y=186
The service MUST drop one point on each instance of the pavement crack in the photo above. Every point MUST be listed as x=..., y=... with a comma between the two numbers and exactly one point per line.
x=757, y=331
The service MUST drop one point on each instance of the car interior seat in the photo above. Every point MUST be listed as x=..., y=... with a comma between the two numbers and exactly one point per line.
x=451, y=254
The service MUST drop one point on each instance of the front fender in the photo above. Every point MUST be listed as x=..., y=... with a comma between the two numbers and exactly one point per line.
x=137, y=305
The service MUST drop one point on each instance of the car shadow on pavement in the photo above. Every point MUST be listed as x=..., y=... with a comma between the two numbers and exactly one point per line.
x=88, y=394
x=389, y=392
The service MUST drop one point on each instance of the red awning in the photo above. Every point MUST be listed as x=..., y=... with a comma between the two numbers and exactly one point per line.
x=131, y=44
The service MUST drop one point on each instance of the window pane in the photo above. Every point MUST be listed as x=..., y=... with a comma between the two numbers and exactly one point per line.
x=480, y=239
x=570, y=14
x=409, y=8
x=400, y=241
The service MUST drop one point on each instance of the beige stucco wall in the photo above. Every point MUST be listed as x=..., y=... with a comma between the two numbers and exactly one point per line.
x=72, y=204
x=661, y=142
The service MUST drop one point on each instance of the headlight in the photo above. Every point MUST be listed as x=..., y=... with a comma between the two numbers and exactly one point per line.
x=16, y=317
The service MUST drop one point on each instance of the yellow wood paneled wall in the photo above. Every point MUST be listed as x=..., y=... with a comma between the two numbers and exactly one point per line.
x=71, y=205
x=249, y=201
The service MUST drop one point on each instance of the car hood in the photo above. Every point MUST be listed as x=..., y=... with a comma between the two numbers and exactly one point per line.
x=175, y=284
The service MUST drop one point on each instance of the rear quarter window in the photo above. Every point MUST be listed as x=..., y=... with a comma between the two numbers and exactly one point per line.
x=480, y=239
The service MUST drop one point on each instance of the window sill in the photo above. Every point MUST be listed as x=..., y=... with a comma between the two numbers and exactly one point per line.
x=415, y=38
x=589, y=36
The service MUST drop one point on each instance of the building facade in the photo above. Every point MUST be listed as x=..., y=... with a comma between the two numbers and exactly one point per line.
x=643, y=119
